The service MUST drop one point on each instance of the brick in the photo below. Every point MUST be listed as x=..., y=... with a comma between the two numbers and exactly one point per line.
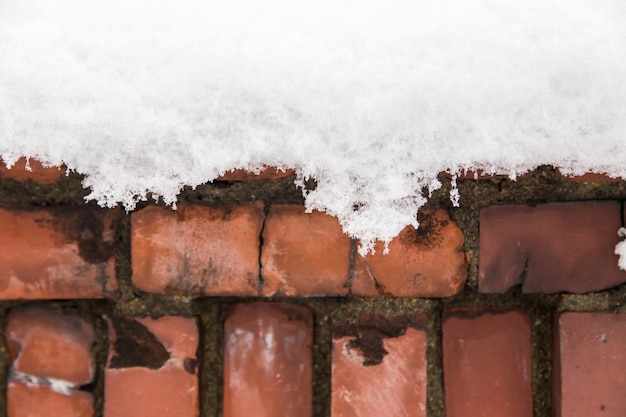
x=379, y=368
x=427, y=262
x=267, y=361
x=265, y=174
x=35, y=172
x=152, y=368
x=590, y=365
x=49, y=344
x=487, y=363
x=27, y=400
x=304, y=254
x=56, y=253
x=556, y=247
x=197, y=250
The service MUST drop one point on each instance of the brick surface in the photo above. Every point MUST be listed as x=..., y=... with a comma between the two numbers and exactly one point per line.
x=487, y=364
x=197, y=250
x=49, y=344
x=427, y=262
x=379, y=369
x=35, y=172
x=243, y=175
x=64, y=252
x=590, y=365
x=267, y=361
x=556, y=247
x=152, y=368
x=27, y=400
x=304, y=254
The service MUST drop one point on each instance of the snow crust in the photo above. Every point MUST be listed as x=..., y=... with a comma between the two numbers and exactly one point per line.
x=371, y=98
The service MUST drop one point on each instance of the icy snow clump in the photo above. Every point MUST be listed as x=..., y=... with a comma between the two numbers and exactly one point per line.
x=371, y=98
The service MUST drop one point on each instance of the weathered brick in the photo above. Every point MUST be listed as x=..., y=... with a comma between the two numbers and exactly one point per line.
x=304, y=254
x=556, y=247
x=265, y=174
x=267, y=361
x=427, y=262
x=64, y=252
x=487, y=363
x=152, y=368
x=28, y=400
x=197, y=250
x=35, y=172
x=48, y=344
x=590, y=365
x=379, y=368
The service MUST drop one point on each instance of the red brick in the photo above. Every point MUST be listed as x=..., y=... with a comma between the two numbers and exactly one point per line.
x=590, y=365
x=267, y=361
x=427, y=262
x=197, y=250
x=152, y=368
x=56, y=253
x=487, y=363
x=380, y=370
x=556, y=247
x=243, y=175
x=37, y=172
x=27, y=400
x=304, y=254
x=592, y=177
x=46, y=343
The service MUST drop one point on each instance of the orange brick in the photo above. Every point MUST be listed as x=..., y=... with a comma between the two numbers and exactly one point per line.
x=28, y=400
x=64, y=252
x=304, y=254
x=379, y=368
x=590, y=365
x=152, y=368
x=49, y=344
x=265, y=174
x=427, y=262
x=268, y=361
x=197, y=250
x=37, y=173
x=487, y=363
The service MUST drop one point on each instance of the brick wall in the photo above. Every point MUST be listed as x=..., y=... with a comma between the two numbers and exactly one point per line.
x=241, y=304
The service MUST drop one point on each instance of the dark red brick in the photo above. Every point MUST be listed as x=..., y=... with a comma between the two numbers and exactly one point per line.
x=152, y=368
x=427, y=262
x=49, y=344
x=304, y=254
x=556, y=247
x=590, y=365
x=28, y=400
x=243, y=175
x=267, y=361
x=380, y=371
x=197, y=250
x=64, y=252
x=35, y=171
x=487, y=363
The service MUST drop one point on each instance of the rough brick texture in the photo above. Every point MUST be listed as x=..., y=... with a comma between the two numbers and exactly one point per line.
x=152, y=368
x=379, y=369
x=33, y=171
x=590, y=365
x=64, y=252
x=265, y=174
x=197, y=250
x=557, y=247
x=50, y=359
x=304, y=254
x=427, y=262
x=267, y=361
x=487, y=363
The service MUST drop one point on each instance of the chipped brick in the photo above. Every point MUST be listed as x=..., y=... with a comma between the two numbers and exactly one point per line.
x=27, y=400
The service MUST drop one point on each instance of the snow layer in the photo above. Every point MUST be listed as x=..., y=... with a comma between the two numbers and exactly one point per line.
x=372, y=98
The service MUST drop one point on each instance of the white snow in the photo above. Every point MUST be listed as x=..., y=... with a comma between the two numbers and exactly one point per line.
x=372, y=98
x=620, y=249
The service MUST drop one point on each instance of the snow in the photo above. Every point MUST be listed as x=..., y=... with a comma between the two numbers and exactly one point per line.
x=620, y=249
x=371, y=98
